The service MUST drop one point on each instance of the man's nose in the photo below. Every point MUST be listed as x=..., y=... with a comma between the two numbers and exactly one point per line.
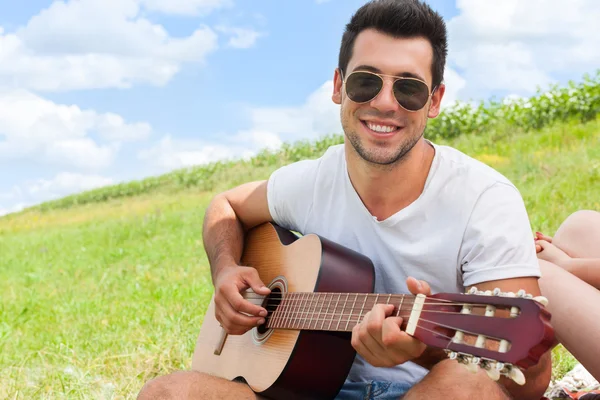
x=385, y=100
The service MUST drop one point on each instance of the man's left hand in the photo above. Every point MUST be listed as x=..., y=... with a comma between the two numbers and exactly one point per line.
x=379, y=339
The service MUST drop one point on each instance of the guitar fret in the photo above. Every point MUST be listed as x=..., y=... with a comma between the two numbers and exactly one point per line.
x=388, y=300
x=320, y=310
x=299, y=313
x=288, y=310
x=326, y=311
x=296, y=310
x=306, y=311
x=400, y=306
x=315, y=297
x=272, y=320
x=334, y=311
x=351, y=312
x=337, y=328
x=362, y=309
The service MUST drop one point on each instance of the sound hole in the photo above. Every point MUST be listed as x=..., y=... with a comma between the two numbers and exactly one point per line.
x=278, y=287
x=270, y=303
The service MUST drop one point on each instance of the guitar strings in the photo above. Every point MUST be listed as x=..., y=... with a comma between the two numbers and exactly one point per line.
x=296, y=295
x=410, y=302
x=334, y=313
x=355, y=321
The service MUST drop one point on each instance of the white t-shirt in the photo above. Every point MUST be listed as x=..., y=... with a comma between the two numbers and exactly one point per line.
x=468, y=226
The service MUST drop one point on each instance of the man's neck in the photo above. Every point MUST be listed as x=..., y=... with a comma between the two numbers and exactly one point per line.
x=385, y=190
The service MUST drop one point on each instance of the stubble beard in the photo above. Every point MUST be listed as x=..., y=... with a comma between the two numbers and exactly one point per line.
x=382, y=157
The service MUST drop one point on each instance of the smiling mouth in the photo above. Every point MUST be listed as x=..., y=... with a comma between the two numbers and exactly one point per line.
x=380, y=129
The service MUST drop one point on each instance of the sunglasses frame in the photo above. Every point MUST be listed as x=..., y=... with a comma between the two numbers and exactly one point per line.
x=381, y=76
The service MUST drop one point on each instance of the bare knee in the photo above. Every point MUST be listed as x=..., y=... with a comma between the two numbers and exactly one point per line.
x=447, y=379
x=578, y=224
x=159, y=388
x=169, y=387
x=579, y=234
x=194, y=385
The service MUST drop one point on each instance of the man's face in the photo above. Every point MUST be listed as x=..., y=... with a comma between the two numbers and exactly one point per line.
x=362, y=123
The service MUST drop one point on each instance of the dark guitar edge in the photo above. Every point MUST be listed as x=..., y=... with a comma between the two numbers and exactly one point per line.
x=321, y=360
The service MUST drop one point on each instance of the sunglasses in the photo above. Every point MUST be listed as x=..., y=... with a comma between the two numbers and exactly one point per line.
x=363, y=86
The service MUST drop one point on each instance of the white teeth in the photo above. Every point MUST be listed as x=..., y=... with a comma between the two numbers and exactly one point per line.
x=381, y=128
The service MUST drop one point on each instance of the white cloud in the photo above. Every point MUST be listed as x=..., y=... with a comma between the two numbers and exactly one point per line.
x=454, y=84
x=34, y=127
x=516, y=46
x=270, y=127
x=66, y=182
x=99, y=43
x=185, y=7
x=257, y=140
x=81, y=153
x=39, y=190
x=171, y=153
x=241, y=38
x=319, y=116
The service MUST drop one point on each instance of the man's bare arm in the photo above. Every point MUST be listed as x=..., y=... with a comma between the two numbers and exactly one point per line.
x=229, y=215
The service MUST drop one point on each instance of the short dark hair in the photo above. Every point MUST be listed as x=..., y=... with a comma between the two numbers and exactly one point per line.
x=401, y=19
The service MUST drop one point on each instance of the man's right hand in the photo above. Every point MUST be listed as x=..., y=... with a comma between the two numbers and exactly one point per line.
x=229, y=303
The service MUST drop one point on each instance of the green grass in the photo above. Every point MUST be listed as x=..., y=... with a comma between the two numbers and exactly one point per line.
x=94, y=304
x=103, y=290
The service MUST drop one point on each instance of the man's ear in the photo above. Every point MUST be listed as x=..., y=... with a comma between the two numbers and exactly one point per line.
x=337, y=87
x=436, y=101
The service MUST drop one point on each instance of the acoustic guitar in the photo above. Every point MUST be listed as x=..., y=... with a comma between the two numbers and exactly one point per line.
x=320, y=290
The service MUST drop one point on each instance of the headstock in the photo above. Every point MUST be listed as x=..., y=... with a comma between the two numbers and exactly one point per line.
x=501, y=333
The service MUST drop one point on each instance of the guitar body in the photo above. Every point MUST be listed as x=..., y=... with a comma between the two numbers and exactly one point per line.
x=289, y=364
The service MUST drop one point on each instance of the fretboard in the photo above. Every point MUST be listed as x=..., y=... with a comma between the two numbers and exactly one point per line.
x=331, y=311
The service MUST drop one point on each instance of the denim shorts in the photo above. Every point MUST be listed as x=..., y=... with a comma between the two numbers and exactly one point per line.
x=372, y=390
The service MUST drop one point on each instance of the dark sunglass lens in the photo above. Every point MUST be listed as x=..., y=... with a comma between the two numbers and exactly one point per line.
x=411, y=94
x=362, y=87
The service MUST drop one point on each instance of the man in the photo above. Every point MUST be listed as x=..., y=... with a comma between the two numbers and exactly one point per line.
x=418, y=210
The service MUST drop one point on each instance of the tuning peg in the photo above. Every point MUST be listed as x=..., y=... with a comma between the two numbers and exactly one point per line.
x=472, y=367
x=467, y=361
x=464, y=358
x=492, y=372
x=452, y=355
x=516, y=375
x=542, y=300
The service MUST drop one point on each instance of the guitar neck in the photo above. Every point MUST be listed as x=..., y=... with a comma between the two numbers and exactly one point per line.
x=331, y=311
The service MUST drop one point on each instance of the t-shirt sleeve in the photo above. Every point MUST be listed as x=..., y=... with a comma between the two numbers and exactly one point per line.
x=290, y=192
x=498, y=242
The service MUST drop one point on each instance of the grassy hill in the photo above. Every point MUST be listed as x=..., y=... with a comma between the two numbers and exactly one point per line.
x=104, y=290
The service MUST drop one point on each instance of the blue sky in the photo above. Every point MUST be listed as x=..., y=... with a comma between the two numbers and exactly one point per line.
x=95, y=92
